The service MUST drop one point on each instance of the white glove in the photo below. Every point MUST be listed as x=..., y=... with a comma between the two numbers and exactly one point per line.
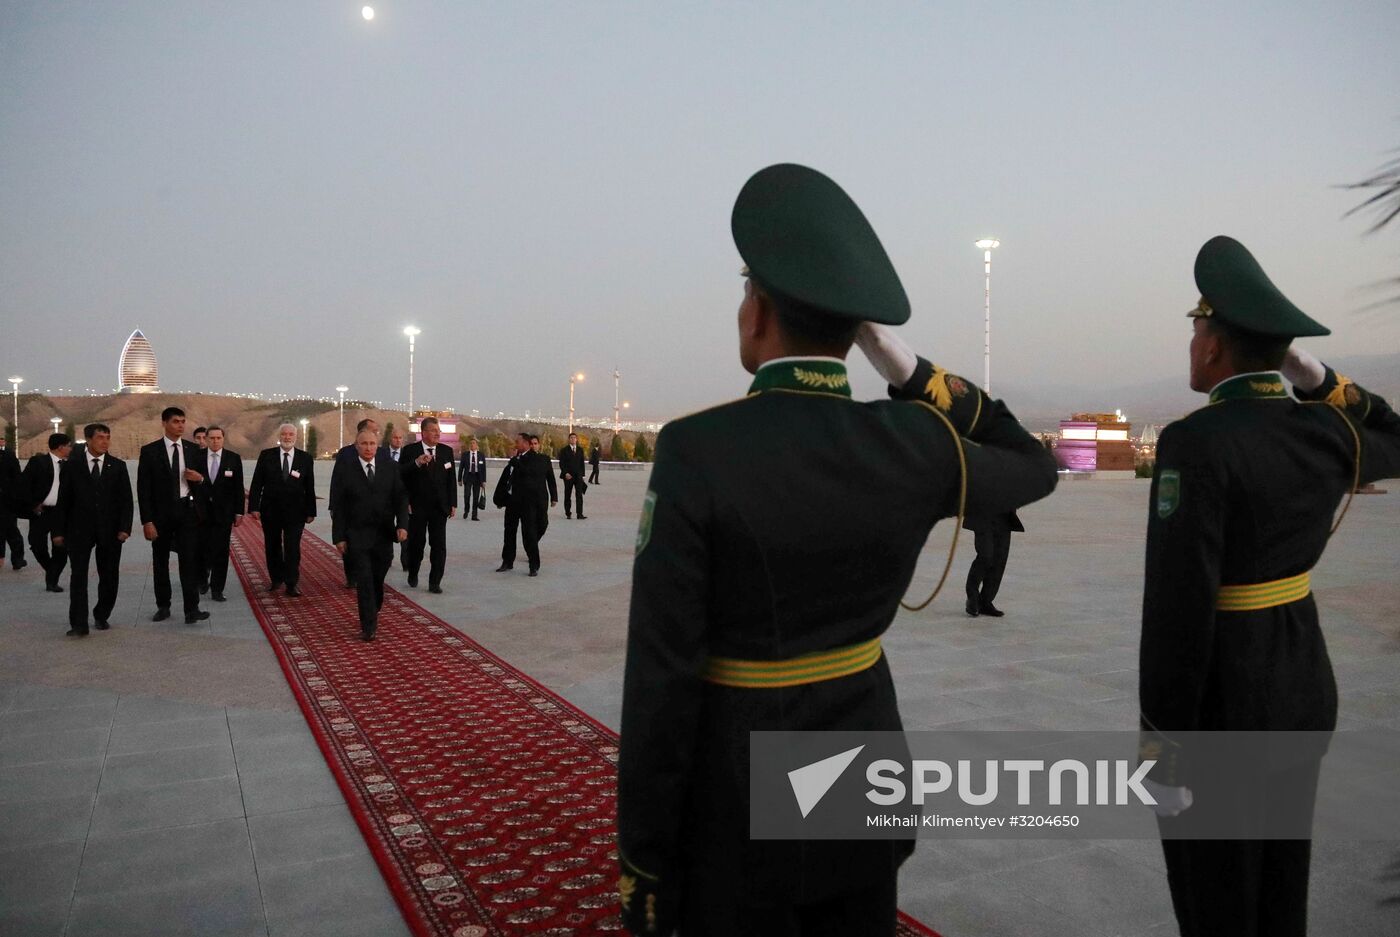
x=1170, y=800
x=1303, y=370
x=886, y=351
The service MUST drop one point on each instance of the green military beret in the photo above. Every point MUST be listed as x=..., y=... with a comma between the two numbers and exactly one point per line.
x=801, y=236
x=1235, y=290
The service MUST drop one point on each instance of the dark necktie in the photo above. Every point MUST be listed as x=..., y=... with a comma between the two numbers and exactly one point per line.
x=286, y=466
x=175, y=466
x=96, y=470
x=369, y=472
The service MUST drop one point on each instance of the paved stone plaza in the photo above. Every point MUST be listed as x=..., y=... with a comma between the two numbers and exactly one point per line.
x=159, y=779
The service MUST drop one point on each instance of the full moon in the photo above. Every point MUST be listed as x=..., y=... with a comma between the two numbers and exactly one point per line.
x=367, y=13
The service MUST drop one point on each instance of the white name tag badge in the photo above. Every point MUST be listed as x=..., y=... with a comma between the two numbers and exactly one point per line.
x=296, y=474
x=447, y=465
x=228, y=473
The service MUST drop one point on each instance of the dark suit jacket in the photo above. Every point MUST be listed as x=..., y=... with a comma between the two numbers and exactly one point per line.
x=348, y=457
x=279, y=499
x=593, y=455
x=529, y=477
x=35, y=482
x=226, y=494
x=1006, y=522
x=464, y=462
x=93, y=511
x=366, y=517
x=10, y=485
x=571, y=462
x=155, y=487
x=431, y=487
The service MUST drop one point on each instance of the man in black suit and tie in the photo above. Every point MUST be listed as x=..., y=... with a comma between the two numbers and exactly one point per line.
x=172, y=494
x=593, y=461
x=371, y=513
x=10, y=506
x=345, y=460
x=527, y=491
x=395, y=449
x=471, y=475
x=427, y=470
x=41, y=482
x=571, y=471
x=283, y=498
x=94, y=513
x=993, y=542
x=226, y=502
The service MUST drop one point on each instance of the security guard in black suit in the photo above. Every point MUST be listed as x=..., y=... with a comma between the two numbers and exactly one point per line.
x=1243, y=500
x=94, y=514
x=429, y=477
x=992, y=541
x=751, y=612
x=172, y=496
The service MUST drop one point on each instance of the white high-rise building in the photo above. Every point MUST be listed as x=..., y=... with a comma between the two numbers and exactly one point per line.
x=136, y=369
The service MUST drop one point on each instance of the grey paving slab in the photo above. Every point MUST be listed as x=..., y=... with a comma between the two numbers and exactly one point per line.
x=144, y=710
x=51, y=820
x=144, y=770
x=330, y=896
x=230, y=906
x=1090, y=886
x=277, y=752
x=248, y=724
x=46, y=721
x=34, y=918
x=40, y=878
x=140, y=860
x=290, y=788
x=295, y=836
x=980, y=906
x=60, y=697
x=64, y=745
x=194, y=732
x=45, y=780
x=164, y=805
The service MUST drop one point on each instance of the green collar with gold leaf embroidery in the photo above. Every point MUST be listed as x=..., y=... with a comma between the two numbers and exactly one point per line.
x=810, y=375
x=1261, y=384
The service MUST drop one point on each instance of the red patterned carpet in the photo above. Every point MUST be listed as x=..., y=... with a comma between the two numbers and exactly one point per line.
x=487, y=800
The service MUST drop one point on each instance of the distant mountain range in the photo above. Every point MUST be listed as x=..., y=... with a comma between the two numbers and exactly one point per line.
x=1042, y=407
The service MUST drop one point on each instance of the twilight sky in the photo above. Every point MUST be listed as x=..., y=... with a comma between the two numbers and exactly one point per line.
x=272, y=190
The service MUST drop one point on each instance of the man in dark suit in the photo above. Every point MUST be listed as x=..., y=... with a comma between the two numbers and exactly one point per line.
x=571, y=471
x=992, y=539
x=471, y=475
x=283, y=498
x=345, y=460
x=371, y=513
x=593, y=461
x=527, y=489
x=428, y=477
x=395, y=448
x=94, y=513
x=172, y=494
x=10, y=506
x=226, y=503
x=41, y=481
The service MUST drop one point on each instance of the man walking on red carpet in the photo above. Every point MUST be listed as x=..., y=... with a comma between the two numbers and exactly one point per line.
x=371, y=514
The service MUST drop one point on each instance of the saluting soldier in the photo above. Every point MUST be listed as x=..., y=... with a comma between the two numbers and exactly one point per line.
x=1242, y=505
x=751, y=612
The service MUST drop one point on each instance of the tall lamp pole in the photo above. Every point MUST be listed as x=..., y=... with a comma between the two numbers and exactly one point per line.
x=617, y=396
x=55, y=421
x=16, y=381
x=573, y=379
x=341, y=390
x=412, y=332
x=304, y=422
x=987, y=245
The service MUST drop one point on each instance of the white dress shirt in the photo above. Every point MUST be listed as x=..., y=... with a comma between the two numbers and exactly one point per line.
x=180, y=460
x=51, y=499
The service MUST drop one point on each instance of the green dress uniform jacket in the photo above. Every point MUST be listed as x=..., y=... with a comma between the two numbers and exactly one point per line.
x=1242, y=503
x=746, y=570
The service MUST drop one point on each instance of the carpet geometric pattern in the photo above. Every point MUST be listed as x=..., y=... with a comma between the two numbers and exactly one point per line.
x=488, y=801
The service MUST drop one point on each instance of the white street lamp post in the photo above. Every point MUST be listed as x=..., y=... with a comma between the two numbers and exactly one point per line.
x=573, y=379
x=987, y=245
x=304, y=422
x=617, y=394
x=55, y=421
x=16, y=381
x=341, y=390
x=412, y=332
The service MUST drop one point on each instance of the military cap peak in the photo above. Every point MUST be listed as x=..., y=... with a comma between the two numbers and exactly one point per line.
x=1235, y=290
x=803, y=237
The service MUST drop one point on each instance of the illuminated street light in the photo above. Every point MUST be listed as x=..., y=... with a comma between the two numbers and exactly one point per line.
x=987, y=245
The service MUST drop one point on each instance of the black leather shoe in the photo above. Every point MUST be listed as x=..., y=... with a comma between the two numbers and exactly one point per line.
x=197, y=617
x=349, y=584
x=100, y=625
x=475, y=518
x=412, y=581
x=435, y=590
x=273, y=586
x=534, y=572
x=77, y=632
x=568, y=517
x=20, y=564
x=218, y=597
x=972, y=608
x=990, y=610
x=293, y=592
x=583, y=517
x=504, y=568
x=366, y=635
x=161, y=614
x=54, y=588
x=204, y=588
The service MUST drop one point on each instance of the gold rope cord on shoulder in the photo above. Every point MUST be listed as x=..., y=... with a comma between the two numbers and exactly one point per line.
x=962, y=508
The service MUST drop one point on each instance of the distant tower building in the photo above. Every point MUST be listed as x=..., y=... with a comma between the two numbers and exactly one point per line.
x=136, y=369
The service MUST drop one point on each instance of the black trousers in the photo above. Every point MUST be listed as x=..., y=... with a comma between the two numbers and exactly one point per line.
x=473, y=491
x=40, y=532
x=534, y=521
x=593, y=475
x=512, y=525
x=282, y=548
x=429, y=526
x=11, y=537
x=984, y=577
x=368, y=566
x=575, y=487
x=216, y=537
x=181, y=537
x=109, y=568
x=870, y=912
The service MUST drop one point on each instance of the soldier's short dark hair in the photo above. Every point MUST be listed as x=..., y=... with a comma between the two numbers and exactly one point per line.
x=809, y=330
x=426, y=420
x=363, y=425
x=200, y=429
x=1250, y=351
x=212, y=428
x=92, y=429
x=56, y=440
x=168, y=412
